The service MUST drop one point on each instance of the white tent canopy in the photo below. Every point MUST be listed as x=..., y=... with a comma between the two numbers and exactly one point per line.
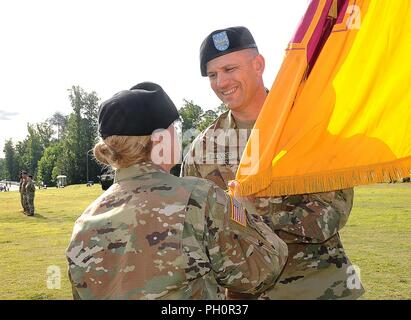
x=61, y=181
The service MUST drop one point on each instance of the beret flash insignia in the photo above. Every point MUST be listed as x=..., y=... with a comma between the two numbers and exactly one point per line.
x=221, y=41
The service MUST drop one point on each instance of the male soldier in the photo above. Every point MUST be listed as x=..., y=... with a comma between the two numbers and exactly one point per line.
x=317, y=267
x=22, y=190
x=153, y=235
x=30, y=192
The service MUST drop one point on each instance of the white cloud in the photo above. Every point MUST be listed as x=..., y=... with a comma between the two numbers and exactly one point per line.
x=6, y=115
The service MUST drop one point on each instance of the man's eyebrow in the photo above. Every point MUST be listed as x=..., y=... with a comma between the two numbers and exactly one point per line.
x=227, y=66
x=231, y=65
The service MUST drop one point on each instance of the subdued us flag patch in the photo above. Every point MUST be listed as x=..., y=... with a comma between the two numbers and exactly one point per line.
x=238, y=213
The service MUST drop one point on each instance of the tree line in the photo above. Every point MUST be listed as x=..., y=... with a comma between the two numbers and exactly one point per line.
x=62, y=144
x=59, y=145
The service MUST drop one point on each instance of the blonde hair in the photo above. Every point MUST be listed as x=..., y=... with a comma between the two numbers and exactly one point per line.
x=123, y=151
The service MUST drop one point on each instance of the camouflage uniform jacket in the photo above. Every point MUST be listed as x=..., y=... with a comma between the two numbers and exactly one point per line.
x=152, y=235
x=22, y=190
x=30, y=187
x=317, y=266
x=23, y=187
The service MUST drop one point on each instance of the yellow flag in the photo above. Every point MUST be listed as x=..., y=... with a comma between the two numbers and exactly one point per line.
x=339, y=112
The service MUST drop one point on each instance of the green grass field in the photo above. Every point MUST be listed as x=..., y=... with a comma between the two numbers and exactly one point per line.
x=377, y=239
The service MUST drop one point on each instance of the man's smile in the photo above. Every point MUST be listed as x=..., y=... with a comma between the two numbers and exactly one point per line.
x=229, y=92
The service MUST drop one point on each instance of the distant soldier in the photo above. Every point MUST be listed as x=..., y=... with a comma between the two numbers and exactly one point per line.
x=153, y=235
x=30, y=192
x=22, y=190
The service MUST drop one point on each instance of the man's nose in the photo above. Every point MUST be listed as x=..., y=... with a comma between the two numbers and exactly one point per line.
x=222, y=80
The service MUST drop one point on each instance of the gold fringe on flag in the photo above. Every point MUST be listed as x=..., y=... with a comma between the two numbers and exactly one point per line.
x=265, y=185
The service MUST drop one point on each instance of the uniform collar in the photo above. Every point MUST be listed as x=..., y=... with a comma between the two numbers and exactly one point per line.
x=137, y=170
x=226, y=121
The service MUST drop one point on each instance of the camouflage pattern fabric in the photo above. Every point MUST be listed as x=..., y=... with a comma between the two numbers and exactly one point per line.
x=317, y=266
x=22, y=191
x=30, y=190
x=152, y=235
x=199, y=165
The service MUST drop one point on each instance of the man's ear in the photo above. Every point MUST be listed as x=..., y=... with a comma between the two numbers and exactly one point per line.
x=259, y=64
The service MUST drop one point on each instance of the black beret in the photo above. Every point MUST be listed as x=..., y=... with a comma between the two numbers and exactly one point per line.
x=23, y=172
x=224, y=41
x=139, y=111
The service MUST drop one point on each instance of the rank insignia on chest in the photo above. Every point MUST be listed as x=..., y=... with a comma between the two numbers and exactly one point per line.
x=238, y=213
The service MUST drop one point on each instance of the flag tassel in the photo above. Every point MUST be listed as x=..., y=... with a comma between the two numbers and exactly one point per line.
x=269, y=185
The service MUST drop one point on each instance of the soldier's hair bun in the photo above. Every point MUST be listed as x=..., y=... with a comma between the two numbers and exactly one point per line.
x=123, y=151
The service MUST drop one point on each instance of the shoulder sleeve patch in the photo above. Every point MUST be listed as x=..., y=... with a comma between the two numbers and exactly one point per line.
x=238, y=212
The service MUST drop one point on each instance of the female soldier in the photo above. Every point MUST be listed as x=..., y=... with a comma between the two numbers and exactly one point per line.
x=152, y=235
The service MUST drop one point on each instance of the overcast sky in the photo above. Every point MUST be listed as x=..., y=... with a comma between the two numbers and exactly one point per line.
x=107, y=46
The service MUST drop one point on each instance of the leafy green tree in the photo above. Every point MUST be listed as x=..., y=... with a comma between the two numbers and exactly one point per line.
x=45, y=132
x=190, y=114
x=220, y=109
x=34, y=148
x=48, y=163
x=21, y=156
x=90, y=113
x=207, y=118
x=195, y=120
x=194, y=117
x=57, y=171
x=11, y=170
x=81, y=136
x=38, y=139
x=29, y=151
x=90, y=122
x=46, y=157
x=2, y=169
x=60, y=121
